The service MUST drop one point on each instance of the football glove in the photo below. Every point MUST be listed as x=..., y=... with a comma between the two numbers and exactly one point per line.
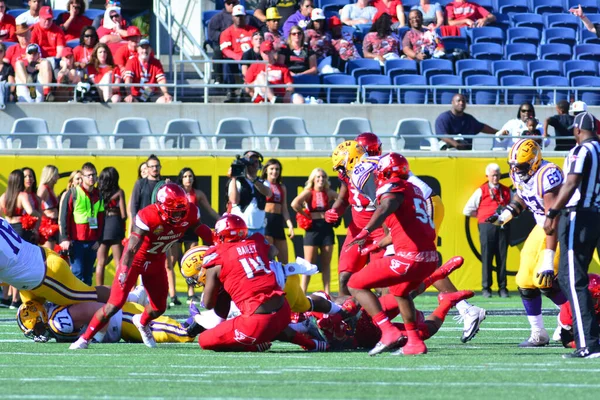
x=332, y=216
x=369, y=249
x=545, y=274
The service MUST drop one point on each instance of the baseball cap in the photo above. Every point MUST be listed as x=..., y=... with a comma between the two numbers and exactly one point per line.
x=238, y=10
x=46, y=12
x=33, y=47
x=317, y=14
x=133, y=31
x=585, y=121
x=578, y=107
x=273, y=13
x=266, y=46
x=66, y=51
x=334, y=21
x=144, y=42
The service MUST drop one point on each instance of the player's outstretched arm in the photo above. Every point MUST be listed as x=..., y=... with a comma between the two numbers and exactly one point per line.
x=565, y=193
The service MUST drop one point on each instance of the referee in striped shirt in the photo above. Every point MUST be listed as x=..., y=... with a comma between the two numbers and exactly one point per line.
x=578, y=204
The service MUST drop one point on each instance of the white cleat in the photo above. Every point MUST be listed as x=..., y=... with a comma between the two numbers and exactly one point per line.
x=145, y=331
x=538, y=338
x=472, y=320
x=79, y=344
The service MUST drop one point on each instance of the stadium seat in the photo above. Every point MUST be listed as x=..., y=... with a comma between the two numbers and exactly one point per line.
x=548, y=97
x=435, y=66
x=555, y=51
x=18, y=11
x=487, y=51
x=587, y=6
x=521, y=51
x=506, y=67
x=376, y=96
x=284, y=131
x=547, y=6
x=405, y=65
x=561, y=20
x=455, y=42
x=358, y=72
x=444, y=96
x=483, y=96
x=206, y=16
x=32, y=133
x=73, y=43
x=483, y=142
x=502, y=21
x=487, y=4
x=470, y=67
x=591, y=98
x=539, y=68
x=411, y=96
x=133, y=133
x=523, y=35
x=589, y=37
x=307, y=80
x=487, y=34
x=560, y=35
x=332, y=5
x=587, y=52
x=517, y=96
x=92, y=13
x=241, y=131
x=575, y=68
x=80, y=133
x=186, y=134
x=362, y=63
x=512, y=6
x=527, y=20
x=349, y=128
x=335, y=96
x=409, y=131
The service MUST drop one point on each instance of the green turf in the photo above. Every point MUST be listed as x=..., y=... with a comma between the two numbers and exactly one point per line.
x=489, y=367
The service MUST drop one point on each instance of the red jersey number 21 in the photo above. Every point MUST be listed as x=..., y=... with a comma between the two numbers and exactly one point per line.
x=253, y=265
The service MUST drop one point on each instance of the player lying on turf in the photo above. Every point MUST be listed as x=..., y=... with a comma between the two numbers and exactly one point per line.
x=565, y=318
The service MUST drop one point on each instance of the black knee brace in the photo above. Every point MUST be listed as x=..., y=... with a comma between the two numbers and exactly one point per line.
x=549, y=292
x=529, y=293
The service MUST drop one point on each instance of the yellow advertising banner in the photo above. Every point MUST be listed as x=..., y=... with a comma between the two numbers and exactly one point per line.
x=454, y=179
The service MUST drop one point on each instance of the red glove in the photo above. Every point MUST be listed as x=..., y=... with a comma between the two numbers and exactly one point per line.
x=332, y=216
x=370, y=248
x=361, y=238
x=303, y=222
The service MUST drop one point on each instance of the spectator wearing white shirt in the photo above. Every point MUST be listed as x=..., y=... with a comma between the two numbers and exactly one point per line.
x=31, y=16
x=358, y=14
x=512, y=130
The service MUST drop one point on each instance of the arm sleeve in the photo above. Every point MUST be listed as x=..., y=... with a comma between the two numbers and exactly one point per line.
x=478, y=126
x=482, y=11
x=473, y=204
x=551, y=178
x=211, y=258
x=66, y=206
x=450, y=12
x=204, y=232
x=214, y=29
x=441, y=125
x=287, y=76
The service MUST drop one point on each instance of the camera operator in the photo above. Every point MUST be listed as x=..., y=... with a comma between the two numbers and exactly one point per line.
x=247, y=193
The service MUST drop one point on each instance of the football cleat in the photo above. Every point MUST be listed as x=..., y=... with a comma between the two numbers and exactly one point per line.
x=319, y=346
x=472, y=320
x=380, y=347
x=260, y=347
x=584, y=352
x=145, y=331
x=455, y=297
x=538, y=338
x=79, y=344
x=411, y=349
x=451, y=265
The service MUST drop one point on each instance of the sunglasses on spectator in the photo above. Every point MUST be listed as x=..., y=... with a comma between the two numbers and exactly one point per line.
x=113, y=16
x=296, y=33
x=525, y=110
x=154, y=166
x=88, y=36
x=232, y=3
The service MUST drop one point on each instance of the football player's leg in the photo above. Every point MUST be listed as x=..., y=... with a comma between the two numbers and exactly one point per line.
x=351, y=261
x=295, y=296
x=157, y=288
x=164, y=329
x=553, y=292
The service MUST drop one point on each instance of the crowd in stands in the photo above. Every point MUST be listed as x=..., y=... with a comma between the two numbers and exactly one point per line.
x=42, y=46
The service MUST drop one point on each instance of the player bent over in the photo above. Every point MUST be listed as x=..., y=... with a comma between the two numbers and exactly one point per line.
x=565, y=317
x=157, y=227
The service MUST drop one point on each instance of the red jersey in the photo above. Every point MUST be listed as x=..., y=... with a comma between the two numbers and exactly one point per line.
x=410, y=226
x=48, y=39
x=235, y=41
x=123, y=55
x=7, y=29
x=98, y=74
x=17, y=53
x=82, y=54
x=245, y=272
x=362, y=207
x=319, y=201
x=276, y=74
x=465, y=10
x=77, y=25
x=391, y=10
x=277, y=193
x=150, y=72
x=160, y=234
x=566, y=315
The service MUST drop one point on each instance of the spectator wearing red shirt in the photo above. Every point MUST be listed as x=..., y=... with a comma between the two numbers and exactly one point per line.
x=73, y=21
x=463, y=13
x=99, y=20
x=130, y=51
x=145, y=69
x=379, y=43
x=31, y=16
x=392, y=7
x=47, y=34
x=102, y=70
x=17, y=52
x=275, y=74
x=33, y=69
x=112, y=29
x=7, y=24
x=87, y=42
x=7, y=73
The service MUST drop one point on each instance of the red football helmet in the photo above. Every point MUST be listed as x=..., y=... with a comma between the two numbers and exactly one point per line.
x=594, y=288
x=370, y=142
x=230, y=228
x=172, y=203
x=392, y=165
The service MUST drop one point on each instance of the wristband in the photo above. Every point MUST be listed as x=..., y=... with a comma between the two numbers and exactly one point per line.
x=552, y=213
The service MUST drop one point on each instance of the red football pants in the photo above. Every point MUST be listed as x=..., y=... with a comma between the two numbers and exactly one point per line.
x=350, y=258
x=243, y=333
x=399, y=274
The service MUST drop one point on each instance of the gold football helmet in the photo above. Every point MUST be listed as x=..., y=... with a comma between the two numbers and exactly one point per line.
x=525, y=158
x=32, y=319
x=346, y=155
x=191, y=266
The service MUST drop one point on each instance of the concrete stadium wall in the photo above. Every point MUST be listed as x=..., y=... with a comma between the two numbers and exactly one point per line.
x=320, y=119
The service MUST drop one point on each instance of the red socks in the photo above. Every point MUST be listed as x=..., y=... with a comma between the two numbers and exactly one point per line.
x=442, y=310
x=389, y=306
x=145, y=318
x=94, y=327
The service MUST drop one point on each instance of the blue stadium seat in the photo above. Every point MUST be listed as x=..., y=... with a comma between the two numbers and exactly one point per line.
x=308, y=80
x=362, y=63
x=575, y=68
x=528, y=20
x=514, y=6
x=555, y=51
x=561, y=20
x=539, y=68
x=358, y=72
x=518, y=96
x=487, y=34
x=588, y=6
x=411, y=96
x=444, y=96
x=483, y=96
x=435, y=66
x=591, y=98
x=587, y=52
x=487, y=4
x=376, y=96
x=16, y=12
x=588, y=37
x=206, y=16
x=470, y=67
x=406, y=66
x=502, y=21
x=548, y=97
x=334, y=95
x=560, y=35
x=505, y=67
x=487, y=51
x=455, y=42
x=521, y=51
x=547, y=6
x=523, y=35
x=594, y=18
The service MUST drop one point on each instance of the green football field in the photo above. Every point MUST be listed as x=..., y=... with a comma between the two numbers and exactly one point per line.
x=491, y=366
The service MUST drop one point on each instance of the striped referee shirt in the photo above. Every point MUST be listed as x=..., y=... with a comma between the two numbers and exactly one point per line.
x=584, y=160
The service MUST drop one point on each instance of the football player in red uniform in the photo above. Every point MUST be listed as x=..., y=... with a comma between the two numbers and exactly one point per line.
x=565, y=318
x=157, y=227
x=402, y=208
x=237, y=269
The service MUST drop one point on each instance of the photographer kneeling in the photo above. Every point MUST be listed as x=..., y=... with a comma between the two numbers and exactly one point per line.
x=247, y=193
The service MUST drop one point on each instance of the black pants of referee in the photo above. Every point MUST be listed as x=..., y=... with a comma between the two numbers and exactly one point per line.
x=578, y=234
x=494, y=244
